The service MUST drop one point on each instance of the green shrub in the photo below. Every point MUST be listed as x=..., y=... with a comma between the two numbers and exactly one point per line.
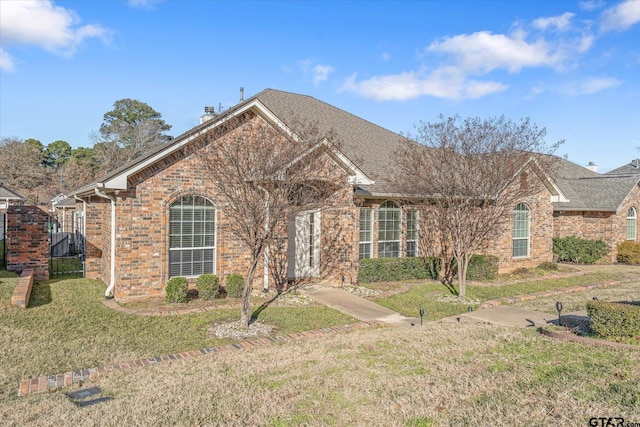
x=614, y=320
x=393, y=269
x=234, y=285
x=579, y=251
x=629, y=252
x=482, y=267
x=207, y=285
x=548, y=266
x=177, y=290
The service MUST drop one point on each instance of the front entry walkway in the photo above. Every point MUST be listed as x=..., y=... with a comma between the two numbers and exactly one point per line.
x=507, y=316
x=355, y=306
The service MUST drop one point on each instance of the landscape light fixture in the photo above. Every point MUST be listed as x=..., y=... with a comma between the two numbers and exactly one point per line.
x=469, y=309
x=421, y=315
x=559, y=308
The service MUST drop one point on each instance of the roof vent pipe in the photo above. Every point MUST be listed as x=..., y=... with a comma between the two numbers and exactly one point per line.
x=209, y=113
x=241, y=94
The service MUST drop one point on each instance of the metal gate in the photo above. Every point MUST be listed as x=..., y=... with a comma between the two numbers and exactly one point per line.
x=3, y=232
x=67, y=244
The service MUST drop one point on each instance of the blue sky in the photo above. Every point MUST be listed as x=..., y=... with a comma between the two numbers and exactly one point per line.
x=571, y=66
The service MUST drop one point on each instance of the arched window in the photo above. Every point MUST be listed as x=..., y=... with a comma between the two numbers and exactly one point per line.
x=389, y=230
x=632, y=219
x=192, y=237
x=521, y=230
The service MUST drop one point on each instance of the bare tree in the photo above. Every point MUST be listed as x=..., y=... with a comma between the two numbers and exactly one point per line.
x=22, y=168
x=466, y=175
x=264, y=176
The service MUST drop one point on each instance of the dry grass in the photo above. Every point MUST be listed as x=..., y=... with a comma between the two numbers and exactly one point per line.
x=577, y=302
x=440, y=374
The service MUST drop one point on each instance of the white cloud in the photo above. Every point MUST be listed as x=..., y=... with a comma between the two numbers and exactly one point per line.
x=144, y=4
x=484, y=52
x=321, y=73
x=596, y=84
x=42, y=24
x=591, y=4
x=561, y=22
x=6, y=62
x=444, y=83
x=621, y=16
x=585, y=43
x=318, y=72
x=385, y=56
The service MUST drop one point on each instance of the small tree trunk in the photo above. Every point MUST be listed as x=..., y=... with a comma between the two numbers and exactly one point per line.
x=463, y=264
x=246, y=293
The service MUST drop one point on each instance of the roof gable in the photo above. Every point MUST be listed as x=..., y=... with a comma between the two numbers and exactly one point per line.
x=117, y=180
x=8, y=194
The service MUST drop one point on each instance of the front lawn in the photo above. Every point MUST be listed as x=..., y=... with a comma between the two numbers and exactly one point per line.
x=439, y=302
x=67, y=327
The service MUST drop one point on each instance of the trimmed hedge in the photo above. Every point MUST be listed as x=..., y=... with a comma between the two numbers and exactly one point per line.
x=177, y=288
x=393, y=269
x=482, y=267
x=234, y=285
x=207, y=285
x=579, y=251
x=614, y=320
x=629, y=252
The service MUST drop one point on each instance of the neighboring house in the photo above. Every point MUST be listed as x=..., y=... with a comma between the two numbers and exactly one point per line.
x=600, y=207
x=138, y=217
x=630, y=168
x=9, y=197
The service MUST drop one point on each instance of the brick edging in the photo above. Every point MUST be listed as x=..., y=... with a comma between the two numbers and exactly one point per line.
x=542, y=294
x=570, y=336
x=51, y=383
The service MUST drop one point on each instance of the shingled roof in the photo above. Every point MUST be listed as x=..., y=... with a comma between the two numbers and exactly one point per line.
x=590, y=191
x=367, y=145
x=632, y=167
x=8, y=194
x=371, y=148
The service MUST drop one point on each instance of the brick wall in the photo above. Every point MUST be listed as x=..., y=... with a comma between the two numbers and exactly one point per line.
x=27, y=240
x=611, y=227
x=540, y=234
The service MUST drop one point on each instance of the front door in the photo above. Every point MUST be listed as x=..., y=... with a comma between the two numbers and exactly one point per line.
x=303, y=252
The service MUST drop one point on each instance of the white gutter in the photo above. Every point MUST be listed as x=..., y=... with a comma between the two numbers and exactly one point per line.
x=112, y=278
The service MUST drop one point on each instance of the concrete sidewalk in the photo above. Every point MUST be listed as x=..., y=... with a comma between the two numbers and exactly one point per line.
x=506, y=316
x=363, y=309
x=355, y=306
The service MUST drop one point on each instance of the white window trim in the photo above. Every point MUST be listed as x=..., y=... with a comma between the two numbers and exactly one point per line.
x=417, y=229
x=215, y=239
x=399, y=240
x=366, y=242
x=528, y=238
x=632, y=215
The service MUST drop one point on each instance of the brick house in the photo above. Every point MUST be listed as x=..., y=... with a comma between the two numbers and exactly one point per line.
x=600, y=206
x=9, y=197
x=134, y=214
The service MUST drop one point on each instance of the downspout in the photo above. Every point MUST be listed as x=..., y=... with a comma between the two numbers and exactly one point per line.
x=112, y=278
